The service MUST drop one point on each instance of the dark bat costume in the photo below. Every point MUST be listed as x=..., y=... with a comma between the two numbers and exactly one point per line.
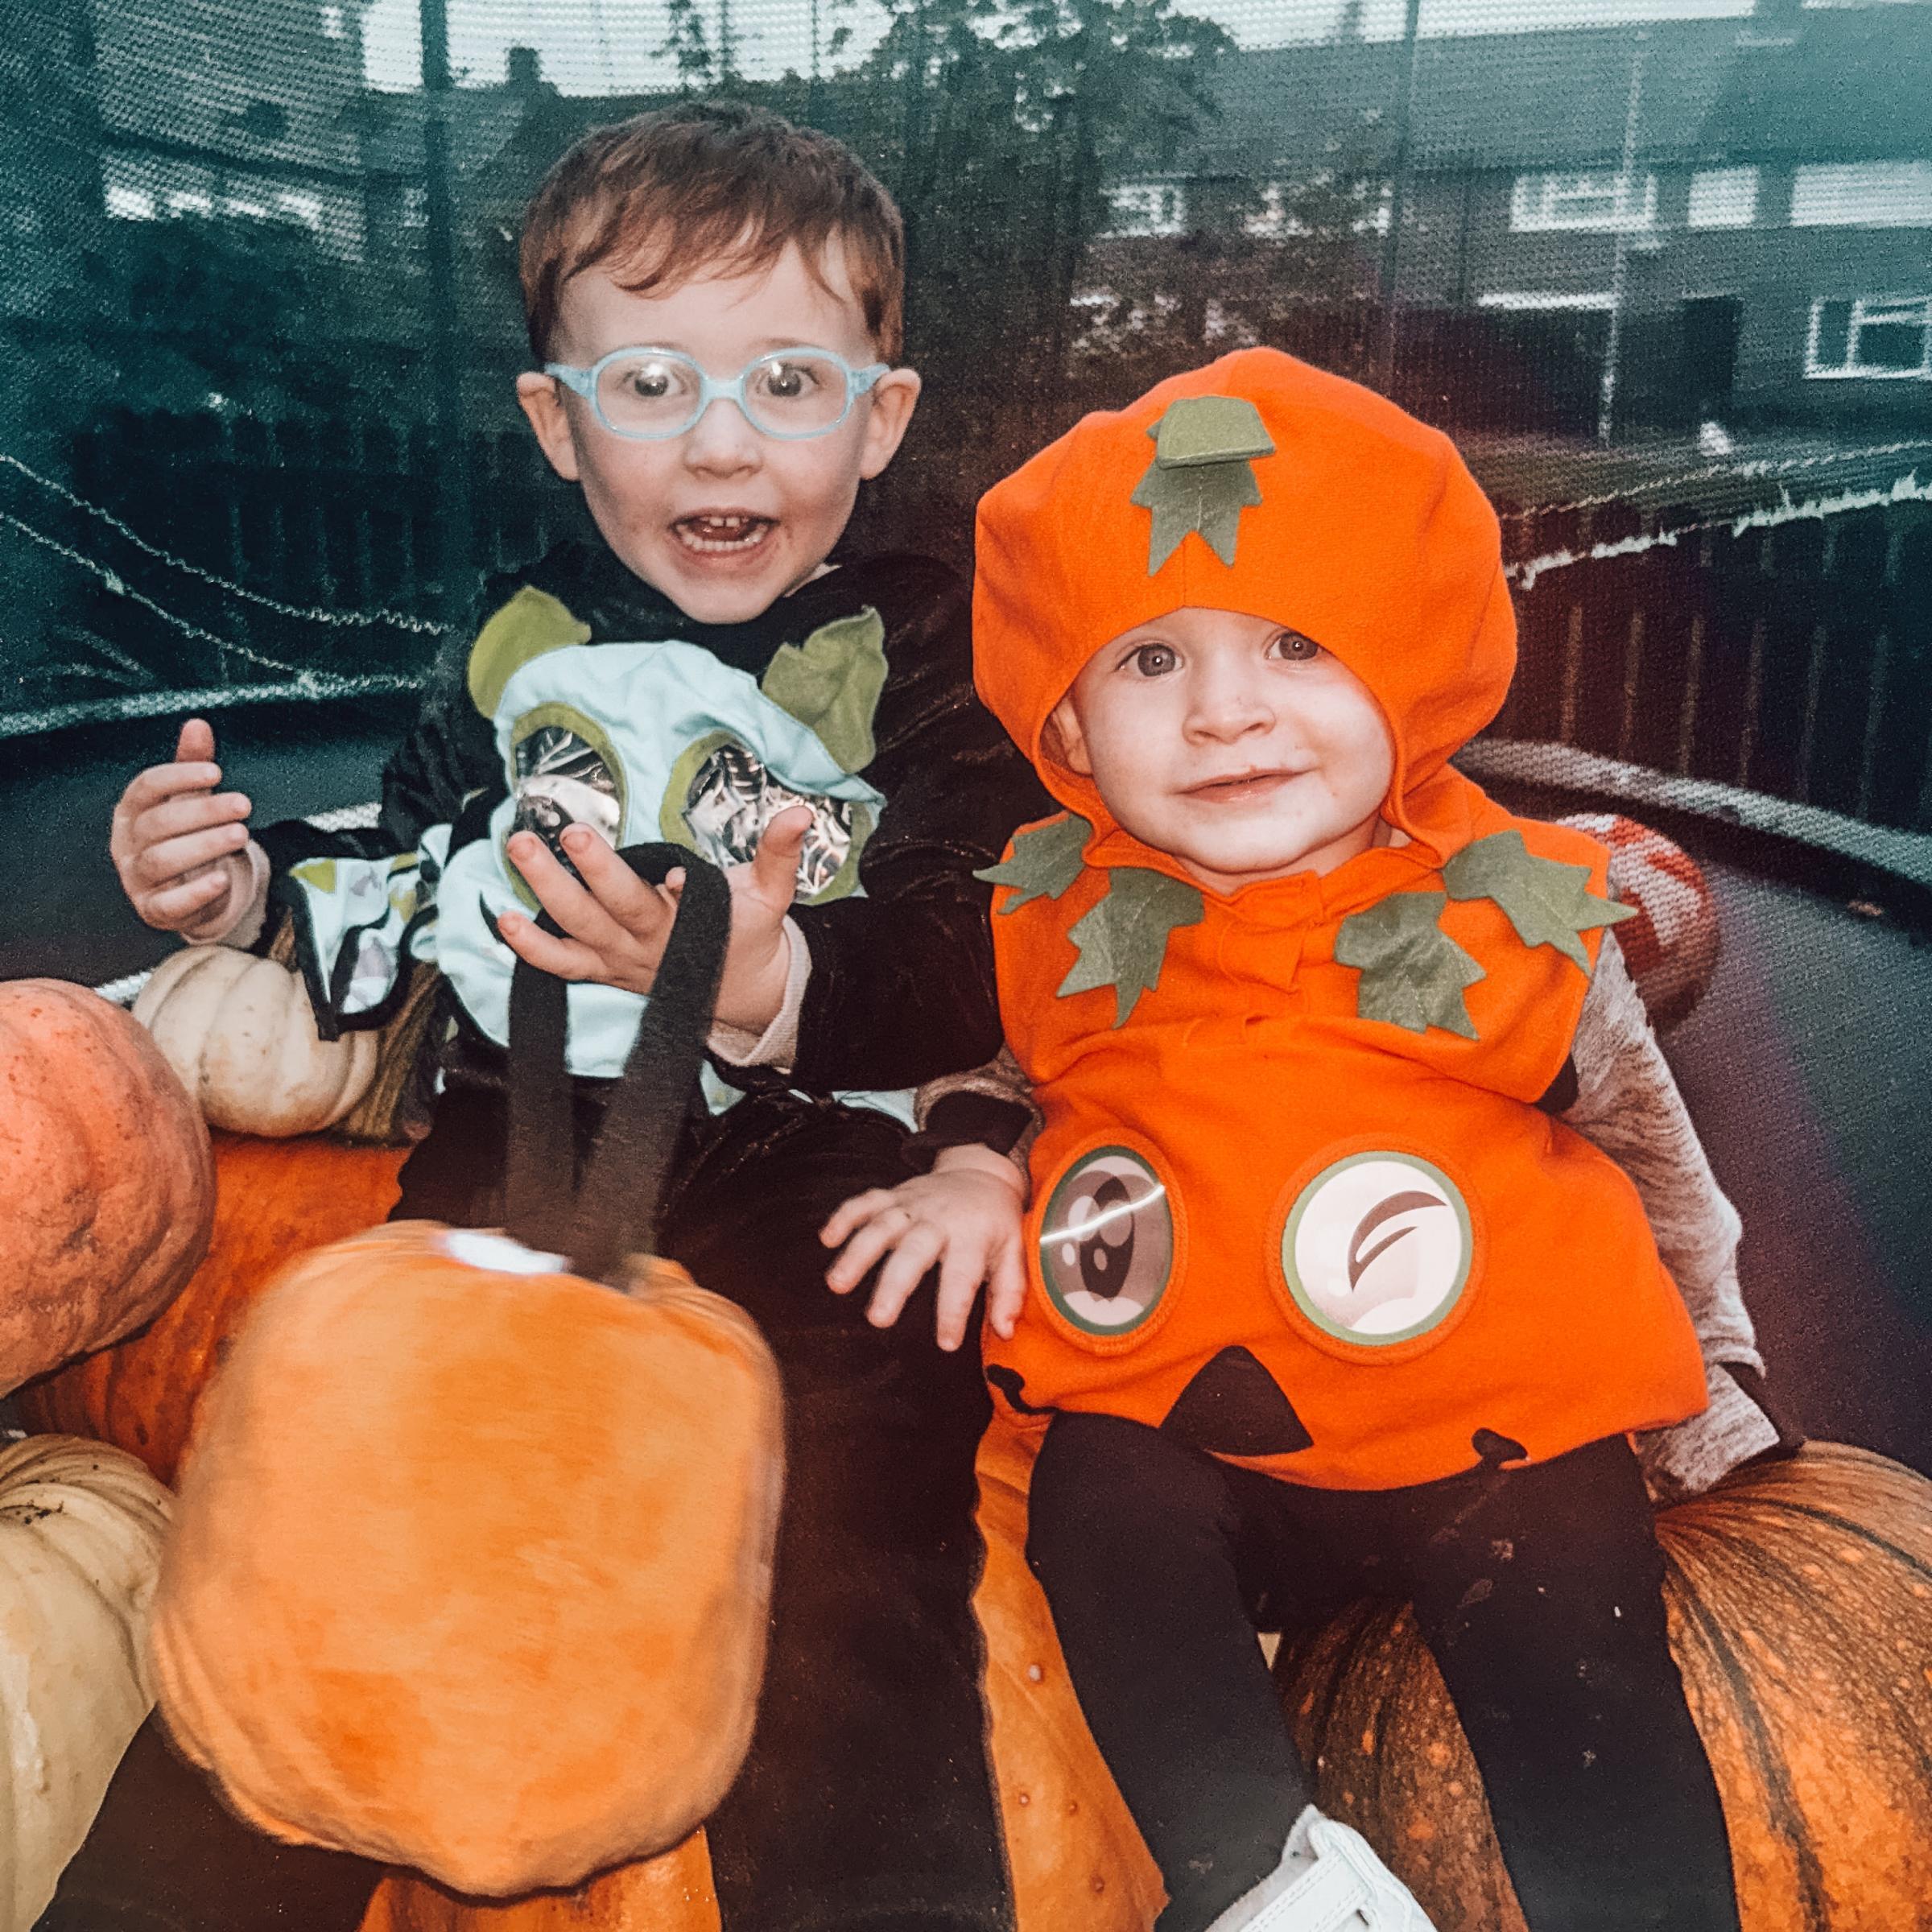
x=866, y=1801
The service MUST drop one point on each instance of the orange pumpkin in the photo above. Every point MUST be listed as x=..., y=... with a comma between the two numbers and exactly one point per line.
x=672, y=1893
x=273, y=1200
x=1800, y=1598
x=521, y=1639
x=105, y=1171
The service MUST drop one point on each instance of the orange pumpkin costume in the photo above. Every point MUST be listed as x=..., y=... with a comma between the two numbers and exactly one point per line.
x=1294, y=1201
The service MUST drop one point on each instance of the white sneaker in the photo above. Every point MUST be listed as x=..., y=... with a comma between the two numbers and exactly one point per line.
x=1329, y=1880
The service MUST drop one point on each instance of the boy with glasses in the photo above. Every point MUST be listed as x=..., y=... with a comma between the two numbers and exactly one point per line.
x=714, y=303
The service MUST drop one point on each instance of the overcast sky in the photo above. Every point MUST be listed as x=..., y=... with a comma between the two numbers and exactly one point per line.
x=610, y=45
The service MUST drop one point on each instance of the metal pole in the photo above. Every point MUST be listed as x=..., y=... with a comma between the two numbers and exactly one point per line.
x=446, y=377
x=1392, y=242
x=1606, y=401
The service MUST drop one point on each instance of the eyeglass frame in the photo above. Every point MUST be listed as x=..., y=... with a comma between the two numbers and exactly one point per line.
x=584, y=382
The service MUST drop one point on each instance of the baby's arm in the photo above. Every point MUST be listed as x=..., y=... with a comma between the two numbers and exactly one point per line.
x=1629, y=1106
x=965, y=1215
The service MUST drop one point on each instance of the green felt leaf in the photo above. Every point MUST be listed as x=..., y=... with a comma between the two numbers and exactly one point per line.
x=1208, y=497
x=1123, y=941
x=1045, y=861
x=1548, y=902
x=831, y=684
x=1210, y=429
x=531, y=625
x=1413, y=972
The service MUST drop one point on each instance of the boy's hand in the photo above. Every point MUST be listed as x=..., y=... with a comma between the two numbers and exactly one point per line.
x=965, y=1215
x=180, y=846
x=615, y=926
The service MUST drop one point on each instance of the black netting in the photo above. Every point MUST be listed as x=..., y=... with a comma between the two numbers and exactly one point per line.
x=1665, y=269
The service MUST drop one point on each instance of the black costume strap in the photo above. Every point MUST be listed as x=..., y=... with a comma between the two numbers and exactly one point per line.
x=615, y=1212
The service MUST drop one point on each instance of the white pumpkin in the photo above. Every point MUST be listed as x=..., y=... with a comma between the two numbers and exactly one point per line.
x=80, y=1532
x=240, y=1032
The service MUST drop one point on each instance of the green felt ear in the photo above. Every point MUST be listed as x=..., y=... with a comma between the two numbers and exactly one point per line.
x=531, y=625
x=831, y=684
x=1044, y=862
x=1202, y=477
x=1413, y=972
x=1548, y=902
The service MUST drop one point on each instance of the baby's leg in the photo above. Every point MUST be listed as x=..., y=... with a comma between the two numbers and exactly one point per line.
x=1143, y=1546
x=1540, y=1592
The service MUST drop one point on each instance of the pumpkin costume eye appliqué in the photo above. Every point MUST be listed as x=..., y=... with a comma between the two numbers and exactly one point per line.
x=1377, y=1248
x=1107, y=1242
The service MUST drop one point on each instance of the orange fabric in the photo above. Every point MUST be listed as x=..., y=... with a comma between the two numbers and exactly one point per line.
x=1264, y=1114
x=427, y=1504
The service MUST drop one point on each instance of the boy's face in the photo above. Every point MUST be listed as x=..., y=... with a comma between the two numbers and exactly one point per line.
x=722, y=519
x=1241, y=748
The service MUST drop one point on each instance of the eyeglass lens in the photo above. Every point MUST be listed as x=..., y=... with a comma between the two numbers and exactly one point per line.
x=660, y=395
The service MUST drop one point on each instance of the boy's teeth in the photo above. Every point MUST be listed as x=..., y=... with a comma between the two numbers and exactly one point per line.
x=723, y=532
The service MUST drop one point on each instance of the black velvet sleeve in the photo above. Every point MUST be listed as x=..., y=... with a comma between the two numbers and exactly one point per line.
x=902, y=986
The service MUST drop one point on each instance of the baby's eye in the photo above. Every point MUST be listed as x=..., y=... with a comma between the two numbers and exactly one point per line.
x=1154, y=660
x=1292, y=646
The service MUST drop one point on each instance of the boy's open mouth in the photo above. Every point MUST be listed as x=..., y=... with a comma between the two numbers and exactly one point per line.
x=723, y=533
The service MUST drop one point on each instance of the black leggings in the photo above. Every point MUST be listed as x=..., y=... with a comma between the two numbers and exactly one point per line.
x=866, y=1802
x=1538, y=1590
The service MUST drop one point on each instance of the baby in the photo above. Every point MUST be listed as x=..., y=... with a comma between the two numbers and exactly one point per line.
x=1320, y=1296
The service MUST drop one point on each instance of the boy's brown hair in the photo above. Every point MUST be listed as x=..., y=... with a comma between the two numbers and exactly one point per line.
x=654, y=199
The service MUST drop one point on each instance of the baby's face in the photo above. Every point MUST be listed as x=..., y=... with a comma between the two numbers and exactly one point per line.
x=721, y=519
x=1244, y=749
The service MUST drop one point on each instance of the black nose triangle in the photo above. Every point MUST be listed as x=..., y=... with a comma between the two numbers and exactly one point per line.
x=1234, y=1407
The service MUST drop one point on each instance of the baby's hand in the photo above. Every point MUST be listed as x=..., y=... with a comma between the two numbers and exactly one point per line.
x=965, y=1215
x=180, y=847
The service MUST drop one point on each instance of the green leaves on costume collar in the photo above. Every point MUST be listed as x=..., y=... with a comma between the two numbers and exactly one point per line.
x=530, y=625
x=1548, y=902
x=831, y=684
x=1045, y=861
x=1122, y=940
x=1413, y=972
x=1202, y=477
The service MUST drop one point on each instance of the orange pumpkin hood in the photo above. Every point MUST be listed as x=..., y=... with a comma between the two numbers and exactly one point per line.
x=1371, y=537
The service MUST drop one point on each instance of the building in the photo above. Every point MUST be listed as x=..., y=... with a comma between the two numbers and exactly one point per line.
x=1732, y=217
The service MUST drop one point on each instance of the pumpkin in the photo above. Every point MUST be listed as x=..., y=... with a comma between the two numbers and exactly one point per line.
x=1671, y=947
x=273, y=1200
x=80, y=1532
x=521, y=1639
x=1800, y=1601
x=105, y=1171
x=240, y=1032
x=672, y=1893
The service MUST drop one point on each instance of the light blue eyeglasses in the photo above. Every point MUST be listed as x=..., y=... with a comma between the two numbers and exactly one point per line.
x=651, y=394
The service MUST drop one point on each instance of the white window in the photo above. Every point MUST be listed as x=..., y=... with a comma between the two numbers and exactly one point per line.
x=415, y=205
x=1872, y=337
x=1723, y=197
x=1535, y=301
x=1277, y=218
x=332, y=24
x=1866, y=194
x=1148, y=207
x=130, y=189
x=1601, y=200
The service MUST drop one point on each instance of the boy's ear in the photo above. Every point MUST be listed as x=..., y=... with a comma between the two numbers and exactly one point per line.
x=541, y=399
x=1063, y=740
x=895, y=397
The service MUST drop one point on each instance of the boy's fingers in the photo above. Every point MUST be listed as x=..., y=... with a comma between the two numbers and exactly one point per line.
x=178, y=817
x=960, y=1273
x=196, y=742
x=174, y=905
x=847, y=1215
x=911, y=1261
x=774, y=865
x=158, y=783
x=173, y=858
x=569, y=902
x=567, y=958
x=876, y=1238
